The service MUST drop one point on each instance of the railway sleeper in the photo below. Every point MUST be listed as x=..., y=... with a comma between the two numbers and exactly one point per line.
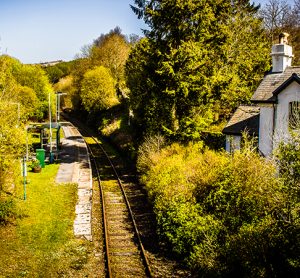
x=129, y=274
x=119, y=217
x=118, y=243
x=127, y=253
x=127, y=260
x=116, y=235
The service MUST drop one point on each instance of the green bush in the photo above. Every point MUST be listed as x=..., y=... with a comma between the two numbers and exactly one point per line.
x=7, y=210
x=222, y=213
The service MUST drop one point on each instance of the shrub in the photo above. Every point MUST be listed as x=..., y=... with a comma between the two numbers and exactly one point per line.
x=148, y=151
x=222, y=213
x=7, y=210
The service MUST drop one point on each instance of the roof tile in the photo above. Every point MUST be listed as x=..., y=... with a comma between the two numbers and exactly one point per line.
x=245, y=118
x=264, y=92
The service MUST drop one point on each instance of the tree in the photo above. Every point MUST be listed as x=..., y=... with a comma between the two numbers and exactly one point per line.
x=108, y=50
x=26, y=84
x=7, y=80
x=277, y=16
x=29, y=103
x=111, y=51
x=58, y=71
x=66, y=85
x=35, y=78
x=23, y=94
x=194, y=73
x=98, y=90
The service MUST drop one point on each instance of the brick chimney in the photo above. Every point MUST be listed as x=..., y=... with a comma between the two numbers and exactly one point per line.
x=282, y=54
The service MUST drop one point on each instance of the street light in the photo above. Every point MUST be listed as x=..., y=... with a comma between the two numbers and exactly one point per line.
x=58, y=94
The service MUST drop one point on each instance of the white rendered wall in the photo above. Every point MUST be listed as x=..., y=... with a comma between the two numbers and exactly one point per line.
x=291, y=93
x=227, y=147
x=265, y=142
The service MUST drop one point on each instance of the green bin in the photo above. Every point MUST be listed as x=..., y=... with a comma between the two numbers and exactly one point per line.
x=40, y=156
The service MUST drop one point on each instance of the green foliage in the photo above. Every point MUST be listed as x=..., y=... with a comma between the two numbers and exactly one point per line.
x=35, y=78
x=12, y=143
x=111, y=51
x=24, y=93
x=224, y=214
x=58, y=71
x=27, y=85
x=12, y=136
x=98, y=91
x=149, y=152
x=199, y=61
x=29, y=102
x=66, y=85
x=7, y=210
x=288, y=160
x=7, y=81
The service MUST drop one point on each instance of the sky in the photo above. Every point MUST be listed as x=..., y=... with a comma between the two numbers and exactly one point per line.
x=35, y=31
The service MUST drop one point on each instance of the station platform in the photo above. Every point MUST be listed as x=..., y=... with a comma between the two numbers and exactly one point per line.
x=75, y=167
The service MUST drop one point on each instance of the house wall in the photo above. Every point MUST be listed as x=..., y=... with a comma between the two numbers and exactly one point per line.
x=289, y=94
x=266, y=121
x=233, y=143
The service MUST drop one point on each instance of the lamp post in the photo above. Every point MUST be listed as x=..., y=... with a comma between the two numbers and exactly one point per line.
x=58, y=94
x=50, y=130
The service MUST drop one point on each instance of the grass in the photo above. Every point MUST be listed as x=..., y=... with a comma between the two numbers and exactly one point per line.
x=40, y=242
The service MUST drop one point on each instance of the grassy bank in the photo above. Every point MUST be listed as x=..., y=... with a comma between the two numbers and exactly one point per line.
x=40, y=241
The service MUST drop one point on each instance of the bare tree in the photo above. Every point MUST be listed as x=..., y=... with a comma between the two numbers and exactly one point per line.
x=277, y=15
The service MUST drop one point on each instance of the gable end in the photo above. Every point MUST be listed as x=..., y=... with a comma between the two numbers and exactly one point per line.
x=285, y=84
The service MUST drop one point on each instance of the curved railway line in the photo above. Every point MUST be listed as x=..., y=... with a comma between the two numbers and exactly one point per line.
x=126, y=220
x=124, y=252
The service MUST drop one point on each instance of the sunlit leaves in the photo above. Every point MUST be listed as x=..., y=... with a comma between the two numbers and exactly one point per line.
x=201, y=60
x=98, y=91
x=24, y=93
x=111, y=52
x=218, y=211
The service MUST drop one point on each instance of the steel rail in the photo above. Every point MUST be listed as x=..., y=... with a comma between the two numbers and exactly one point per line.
x=105, y=225
x=105, y=229
x=142, y=249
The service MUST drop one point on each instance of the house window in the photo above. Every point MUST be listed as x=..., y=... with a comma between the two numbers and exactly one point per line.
x=294, y=114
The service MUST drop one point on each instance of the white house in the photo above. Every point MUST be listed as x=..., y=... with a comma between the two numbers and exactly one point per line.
x=276, y=102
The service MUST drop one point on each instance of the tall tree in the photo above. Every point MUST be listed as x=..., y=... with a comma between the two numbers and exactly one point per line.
x=197, y=67
x=98, y=92
x=111, y=51
x=279, y=16
x=25, y=84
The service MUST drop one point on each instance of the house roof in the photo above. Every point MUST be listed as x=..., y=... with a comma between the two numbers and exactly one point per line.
x=245, y=118
x=275, y=83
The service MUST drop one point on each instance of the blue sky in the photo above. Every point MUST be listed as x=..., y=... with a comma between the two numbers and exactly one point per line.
x=43, y=30
x=36, y=31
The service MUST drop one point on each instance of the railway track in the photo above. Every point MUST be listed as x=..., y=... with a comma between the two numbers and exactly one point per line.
x=124, y=251
x=124, y=256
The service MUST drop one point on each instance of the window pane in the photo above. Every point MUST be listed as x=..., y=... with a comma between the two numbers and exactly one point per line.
x=294, y=114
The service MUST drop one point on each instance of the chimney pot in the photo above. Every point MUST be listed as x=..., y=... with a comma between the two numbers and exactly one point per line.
x=283, y=38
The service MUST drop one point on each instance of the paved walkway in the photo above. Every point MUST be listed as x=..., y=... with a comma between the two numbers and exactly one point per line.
x=75, y=167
